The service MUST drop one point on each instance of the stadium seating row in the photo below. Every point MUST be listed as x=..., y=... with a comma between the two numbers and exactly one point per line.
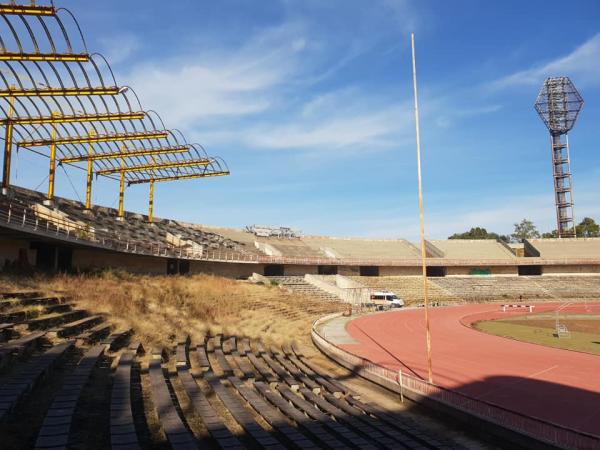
x=488, y=288
x=237, y=393
x=135, y=234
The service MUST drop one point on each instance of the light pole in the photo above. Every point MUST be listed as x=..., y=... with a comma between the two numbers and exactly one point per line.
x=421, y=214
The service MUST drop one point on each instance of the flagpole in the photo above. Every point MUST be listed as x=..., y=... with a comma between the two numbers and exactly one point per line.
x=421, y=214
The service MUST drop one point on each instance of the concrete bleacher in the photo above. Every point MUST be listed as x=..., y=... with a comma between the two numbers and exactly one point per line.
x=245, y=241
x=570, y=287
x=69, y=215
x=302, y=407
x=293, y=248
x=487, y=288
x=566, y=248
x=409, y=288
x=354, y=248
x=490, y=288
x=473, y=249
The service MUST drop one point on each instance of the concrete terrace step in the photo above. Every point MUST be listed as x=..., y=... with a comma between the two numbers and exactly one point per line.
x=55, y=319
x=71, y=328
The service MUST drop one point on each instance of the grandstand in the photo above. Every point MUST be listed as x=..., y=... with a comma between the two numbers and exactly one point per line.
x=565, y=248
x=33, y=232
x=464, y=249
x=339, y=248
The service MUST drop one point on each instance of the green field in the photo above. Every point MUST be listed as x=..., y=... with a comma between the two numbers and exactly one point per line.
x=540, y=329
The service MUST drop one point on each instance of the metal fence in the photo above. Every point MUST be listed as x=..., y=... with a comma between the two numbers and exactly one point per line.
x=530, y=426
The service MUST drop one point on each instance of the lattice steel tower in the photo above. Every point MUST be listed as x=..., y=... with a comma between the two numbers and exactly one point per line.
x=558, y=104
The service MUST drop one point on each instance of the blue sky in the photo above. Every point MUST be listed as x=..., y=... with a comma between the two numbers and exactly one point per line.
x=310, y=103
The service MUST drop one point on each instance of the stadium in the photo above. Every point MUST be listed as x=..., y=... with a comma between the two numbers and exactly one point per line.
x=125, y=330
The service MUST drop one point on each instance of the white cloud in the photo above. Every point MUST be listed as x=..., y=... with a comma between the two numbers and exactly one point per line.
x=583, y=63
x=404, y=14
x=371, y=127
x=221, y=82
x=119, y=48
x=343, y=121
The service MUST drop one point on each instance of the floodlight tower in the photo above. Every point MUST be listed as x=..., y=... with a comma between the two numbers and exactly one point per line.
x=558, y=105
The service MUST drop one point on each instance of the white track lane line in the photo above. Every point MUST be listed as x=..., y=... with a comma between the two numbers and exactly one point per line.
x=527, y=377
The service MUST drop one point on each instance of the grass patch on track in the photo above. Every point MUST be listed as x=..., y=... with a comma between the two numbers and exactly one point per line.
x=541, y=329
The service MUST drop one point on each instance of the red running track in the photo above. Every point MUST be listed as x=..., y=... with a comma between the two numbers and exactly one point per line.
x=559, y=386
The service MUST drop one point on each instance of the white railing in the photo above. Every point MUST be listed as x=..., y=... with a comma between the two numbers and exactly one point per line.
x=401, y=382
x=36, y=221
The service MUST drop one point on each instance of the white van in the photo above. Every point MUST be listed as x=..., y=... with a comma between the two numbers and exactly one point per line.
x=386, y=299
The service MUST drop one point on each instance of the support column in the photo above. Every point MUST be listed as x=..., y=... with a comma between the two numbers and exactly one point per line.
x=151, y=202
x=8, y=134
x=122, y=192
x=52, y=171
x=88, y=190
x=7, y=154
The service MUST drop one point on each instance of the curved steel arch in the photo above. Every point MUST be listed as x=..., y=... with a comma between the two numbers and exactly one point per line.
x=168, y=157
x=55, y=42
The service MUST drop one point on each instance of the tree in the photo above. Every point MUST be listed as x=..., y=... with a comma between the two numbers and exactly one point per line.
x=478, y=233
x=525, y=230
x=551, y=234
x=588, y=228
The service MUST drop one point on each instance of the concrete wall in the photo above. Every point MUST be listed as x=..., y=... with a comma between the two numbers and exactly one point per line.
x=85, y=259
x=10, y=250
x=496, y=270
x=561, y=270
x=229, y=270
x=290, y=270
x=93, y=259
x=399, y=271
x=348, y=271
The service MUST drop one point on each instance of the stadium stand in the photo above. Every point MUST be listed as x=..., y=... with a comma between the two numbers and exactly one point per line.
x=223, y=390
x=565, y=248
x=245, y=241
x=293, y=248
x=488, y=288
x=480, y=249
x=410, y=289
x=101, y=223
x=570, y=287
x=363, y=248
x=480, y=289
x=27, y=225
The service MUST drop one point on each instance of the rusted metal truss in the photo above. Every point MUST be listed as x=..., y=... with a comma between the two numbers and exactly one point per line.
x=54, y=93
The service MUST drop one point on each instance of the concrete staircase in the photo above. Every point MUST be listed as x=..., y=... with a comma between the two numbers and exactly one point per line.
x=299, y=285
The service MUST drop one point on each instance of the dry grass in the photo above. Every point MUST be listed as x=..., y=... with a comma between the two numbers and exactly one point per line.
x=160, y=308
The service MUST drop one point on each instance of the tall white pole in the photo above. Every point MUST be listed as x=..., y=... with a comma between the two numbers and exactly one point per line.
x=421, y=214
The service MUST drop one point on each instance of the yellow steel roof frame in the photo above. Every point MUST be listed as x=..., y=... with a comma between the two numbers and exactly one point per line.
x=159, y=166
x=28, y=10
x=59, y=92
x=180, y=177
x=129, y=154
x=67, y=57
x=95, y=138
x=73, y=118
